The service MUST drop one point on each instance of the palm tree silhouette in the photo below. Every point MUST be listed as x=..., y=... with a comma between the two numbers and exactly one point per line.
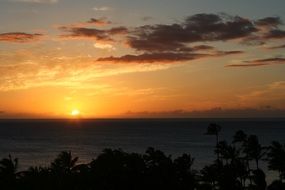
x=64, y=163
x=8, y=171
x=214, y=129
x=254, y=150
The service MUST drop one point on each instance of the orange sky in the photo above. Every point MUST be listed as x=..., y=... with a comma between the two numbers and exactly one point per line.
x=107, y=60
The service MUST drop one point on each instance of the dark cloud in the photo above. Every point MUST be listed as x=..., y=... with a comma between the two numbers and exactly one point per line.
x=93, y=33
x=269, y=22
x=19, y=37
x=117, y=30
x=99, y=21
x=197, y=28
x=202, y=47
x=165, y=57
x=177, y=42
x=259, y=62
x=275, y=34
x=153, y=57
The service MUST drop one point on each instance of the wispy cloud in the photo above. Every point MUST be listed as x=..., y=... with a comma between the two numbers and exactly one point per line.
x=101, y=21
x=268, y=94
x=36, y=70
x=19, y=37
x=259, y=62
x=277, y=47
x=167, y=57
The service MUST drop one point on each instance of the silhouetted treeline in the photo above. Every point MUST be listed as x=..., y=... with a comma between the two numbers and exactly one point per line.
x=237, y=167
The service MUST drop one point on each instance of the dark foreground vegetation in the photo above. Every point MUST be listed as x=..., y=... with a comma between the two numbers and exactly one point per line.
x=236, y=168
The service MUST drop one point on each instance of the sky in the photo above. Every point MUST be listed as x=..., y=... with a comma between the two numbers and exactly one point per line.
x=134, y=58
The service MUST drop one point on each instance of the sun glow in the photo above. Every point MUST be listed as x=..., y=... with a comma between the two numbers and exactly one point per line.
x=75, y=112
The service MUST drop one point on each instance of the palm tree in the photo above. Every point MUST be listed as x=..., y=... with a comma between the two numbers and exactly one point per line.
x=228, y=152
x=8, y=171
x=64, y=163
x=276, y=158
x=214, y=129
x=9, y=166
x=254, y=150
x=240, y=137
x=210, y=174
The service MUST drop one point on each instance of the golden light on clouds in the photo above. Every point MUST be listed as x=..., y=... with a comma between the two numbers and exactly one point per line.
x=103, y=67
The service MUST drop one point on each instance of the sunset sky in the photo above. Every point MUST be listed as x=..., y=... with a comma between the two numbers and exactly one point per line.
x=142, y=58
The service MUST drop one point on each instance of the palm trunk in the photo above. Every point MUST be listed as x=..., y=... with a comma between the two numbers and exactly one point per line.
x=257, y=164
x=217, y=143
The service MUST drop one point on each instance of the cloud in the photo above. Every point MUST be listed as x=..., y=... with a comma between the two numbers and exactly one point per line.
x=104, y=46
x=218, y=112
x=103, y=8
x=196, y=28
x=35, y=69
x=164, y=57
x=92, y=33
x=181, y=41
x=275, y=34
x=277, y=47
x=269, y=94
x=201, y=28
x=37, y=1
x=259, y=62
x=152, y=57
x=19, y=37
x=269, y=22
x=99, y=21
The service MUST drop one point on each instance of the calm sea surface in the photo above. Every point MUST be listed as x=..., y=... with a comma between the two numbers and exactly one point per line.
x=37, y=142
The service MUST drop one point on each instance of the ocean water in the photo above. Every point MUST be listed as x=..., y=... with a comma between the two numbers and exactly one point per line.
x=37, y=142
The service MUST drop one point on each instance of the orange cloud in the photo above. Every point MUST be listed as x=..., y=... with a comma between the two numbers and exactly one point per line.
x=19, y=37
x=167, y=57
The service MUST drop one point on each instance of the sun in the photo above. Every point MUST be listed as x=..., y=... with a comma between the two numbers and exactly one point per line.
x=75, y=112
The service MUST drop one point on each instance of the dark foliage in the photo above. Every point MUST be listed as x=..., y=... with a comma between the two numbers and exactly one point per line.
x=236, y=168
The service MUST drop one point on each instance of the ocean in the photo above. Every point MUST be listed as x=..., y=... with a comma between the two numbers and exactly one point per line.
x=37, y=142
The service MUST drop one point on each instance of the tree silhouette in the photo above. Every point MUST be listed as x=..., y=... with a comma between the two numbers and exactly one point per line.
x=214, y=129
x=64, y=163
x=276, y=158
x=115, y=169
x=254, y=150
x=63, y=171
x=185, y=175
x=8, y=172
x=259, y=179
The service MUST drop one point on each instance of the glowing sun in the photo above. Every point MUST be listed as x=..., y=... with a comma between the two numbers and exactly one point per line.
x=75, y=112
